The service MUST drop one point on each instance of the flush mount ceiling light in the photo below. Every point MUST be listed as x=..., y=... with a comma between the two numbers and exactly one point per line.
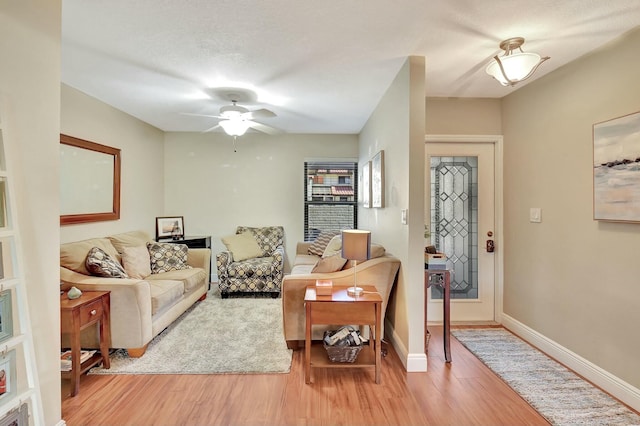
x=513, y=67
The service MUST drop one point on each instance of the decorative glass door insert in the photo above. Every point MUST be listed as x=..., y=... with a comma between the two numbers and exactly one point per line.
x=454, y=222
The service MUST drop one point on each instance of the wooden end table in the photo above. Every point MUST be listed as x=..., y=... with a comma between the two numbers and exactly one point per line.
x=341, y=308
x=76, y=315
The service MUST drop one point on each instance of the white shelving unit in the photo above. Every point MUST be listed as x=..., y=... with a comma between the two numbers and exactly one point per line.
x=19, y=387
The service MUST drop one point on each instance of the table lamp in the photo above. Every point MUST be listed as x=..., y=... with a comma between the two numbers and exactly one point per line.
x=356, y=246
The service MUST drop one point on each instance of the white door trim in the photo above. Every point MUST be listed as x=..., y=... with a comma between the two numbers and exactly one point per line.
x=497, y=141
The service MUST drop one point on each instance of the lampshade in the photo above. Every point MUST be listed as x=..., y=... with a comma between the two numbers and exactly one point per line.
x=512, y=68
x=356, y=244
x=234, y=127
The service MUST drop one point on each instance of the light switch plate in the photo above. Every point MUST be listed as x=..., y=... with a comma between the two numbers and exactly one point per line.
x=535, y=215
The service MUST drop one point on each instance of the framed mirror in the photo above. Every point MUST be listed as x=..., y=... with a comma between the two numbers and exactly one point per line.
x=89, y=181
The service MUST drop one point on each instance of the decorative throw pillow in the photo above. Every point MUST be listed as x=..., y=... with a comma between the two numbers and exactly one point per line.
x=100, y=264
x=136, y=261
x=329, y=264
x=321, y=241
x=167, y=257
x=334, y=247
x=242, y=246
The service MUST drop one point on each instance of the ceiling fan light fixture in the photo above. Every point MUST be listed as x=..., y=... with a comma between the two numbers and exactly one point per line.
x=234, y=127
x=512, y=68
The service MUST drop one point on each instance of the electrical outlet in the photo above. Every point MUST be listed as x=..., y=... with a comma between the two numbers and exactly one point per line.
x=403, y=216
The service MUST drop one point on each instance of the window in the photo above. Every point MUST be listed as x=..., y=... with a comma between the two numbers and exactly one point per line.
x=330, y=197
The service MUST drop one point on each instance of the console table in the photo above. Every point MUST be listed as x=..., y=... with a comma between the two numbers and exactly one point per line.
x=191, y=242
x=341, y=308
x=441, y=278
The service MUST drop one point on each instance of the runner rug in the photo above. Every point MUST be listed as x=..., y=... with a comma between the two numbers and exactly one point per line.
x=557, y=393
x=235, y=335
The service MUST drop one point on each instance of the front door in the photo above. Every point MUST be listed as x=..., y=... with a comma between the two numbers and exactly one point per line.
x=461, y=222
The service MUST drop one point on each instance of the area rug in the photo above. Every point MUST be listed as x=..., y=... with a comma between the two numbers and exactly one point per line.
x=215, y=336
x=557, y=393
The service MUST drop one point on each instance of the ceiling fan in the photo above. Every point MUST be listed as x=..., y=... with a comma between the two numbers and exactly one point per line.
x=235, y=120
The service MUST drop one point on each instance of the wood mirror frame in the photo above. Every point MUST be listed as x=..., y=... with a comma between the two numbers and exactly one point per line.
x=84, y=217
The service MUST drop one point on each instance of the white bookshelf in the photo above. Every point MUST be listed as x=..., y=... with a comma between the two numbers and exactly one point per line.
x=19, y=389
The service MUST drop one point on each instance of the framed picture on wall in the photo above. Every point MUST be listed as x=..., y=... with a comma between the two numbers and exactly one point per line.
x=6, y=316
x=366, y=184
x=16, y=417
x=377, y=180
x=169, y=227
x=616, y=169
x=7, y=375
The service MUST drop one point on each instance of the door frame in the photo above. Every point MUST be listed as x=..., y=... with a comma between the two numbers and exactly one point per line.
x=497, y=141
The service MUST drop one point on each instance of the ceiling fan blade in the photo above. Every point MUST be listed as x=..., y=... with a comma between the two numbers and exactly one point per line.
x=264, y=128
x=200, y=115
x=262, y=113
x=211, y=128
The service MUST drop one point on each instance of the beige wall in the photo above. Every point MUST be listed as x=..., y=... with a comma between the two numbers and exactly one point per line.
x=142, y=153
x=570, y=278
x=464, y=116
x=397, y=127
x=30, y=94
x=261, y=184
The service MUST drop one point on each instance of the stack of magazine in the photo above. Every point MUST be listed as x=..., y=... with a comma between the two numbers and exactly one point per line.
x=65, y=358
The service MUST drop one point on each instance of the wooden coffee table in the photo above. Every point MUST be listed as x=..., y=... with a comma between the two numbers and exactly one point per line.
x=341, y=308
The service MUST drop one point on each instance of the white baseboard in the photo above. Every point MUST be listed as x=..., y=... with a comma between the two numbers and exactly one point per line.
x=615, y=386
x=413, y=363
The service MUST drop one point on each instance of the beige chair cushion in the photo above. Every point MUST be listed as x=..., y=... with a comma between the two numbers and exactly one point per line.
x=136, y=261
x=242, y=246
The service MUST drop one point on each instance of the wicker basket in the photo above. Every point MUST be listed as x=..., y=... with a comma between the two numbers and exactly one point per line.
x=342, y=353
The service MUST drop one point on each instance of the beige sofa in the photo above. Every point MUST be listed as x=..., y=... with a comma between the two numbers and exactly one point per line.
x=140, y=307
x=380, y=272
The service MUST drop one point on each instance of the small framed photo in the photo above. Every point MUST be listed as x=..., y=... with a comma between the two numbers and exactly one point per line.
x=16, y=417
x=170, y=227
x=6, y=316
x=366, y=185
x=7, y=375
x=377, y=180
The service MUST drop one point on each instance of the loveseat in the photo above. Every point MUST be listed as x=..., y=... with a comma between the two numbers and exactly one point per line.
x=253, y=262
x=159, y=285
x=379, y=271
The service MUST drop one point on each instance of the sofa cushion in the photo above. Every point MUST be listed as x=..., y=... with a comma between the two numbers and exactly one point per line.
x=190, y=278
x=164, y=294
x=243, y=246
x=167, y=257
x=74, y=255
x=329, y=264
x=334, y=247
x=306, y=259
x=136, y=261
x=259, y=266
x=129, y=239
x=321, y=242
x=302, y=269
x=100, y=264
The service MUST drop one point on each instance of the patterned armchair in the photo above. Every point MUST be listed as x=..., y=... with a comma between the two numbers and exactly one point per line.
x=258, y=275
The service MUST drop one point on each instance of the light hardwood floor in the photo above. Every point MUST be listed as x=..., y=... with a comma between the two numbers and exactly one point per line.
x=464, y=392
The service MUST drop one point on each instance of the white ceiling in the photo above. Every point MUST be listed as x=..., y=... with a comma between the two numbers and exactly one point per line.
x=321, y=66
